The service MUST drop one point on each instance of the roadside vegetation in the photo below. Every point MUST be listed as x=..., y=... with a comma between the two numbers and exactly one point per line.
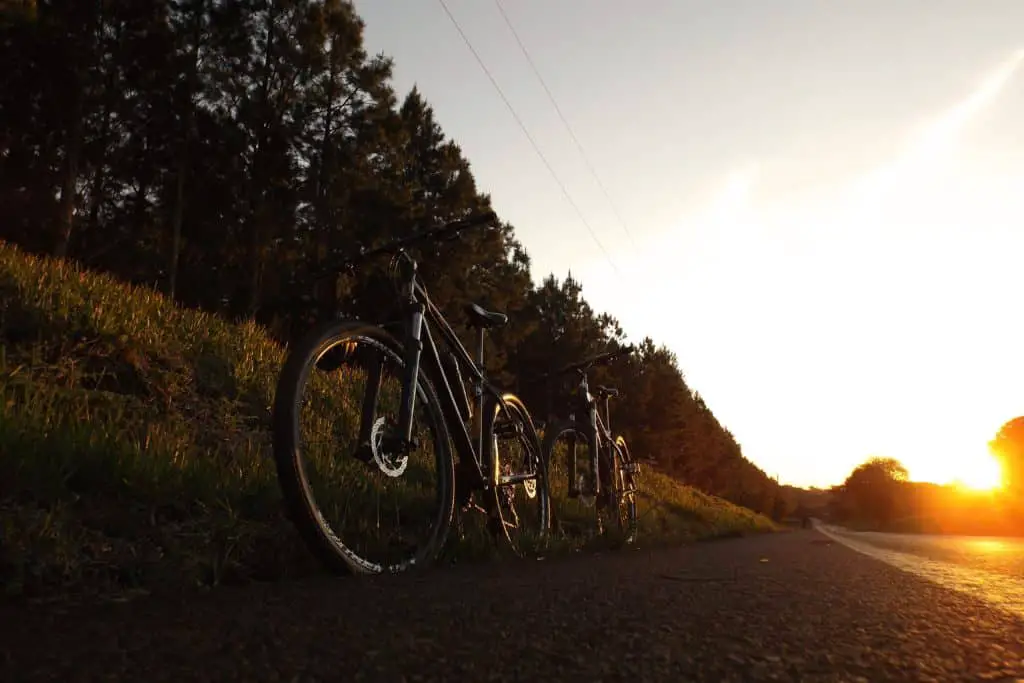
x=878, y=496
x=135, y=453
x=223, y=151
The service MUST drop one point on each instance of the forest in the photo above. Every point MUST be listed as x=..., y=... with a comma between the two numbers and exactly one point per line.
x=221, y=151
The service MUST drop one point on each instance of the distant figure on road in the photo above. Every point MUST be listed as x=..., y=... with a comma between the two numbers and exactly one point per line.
x=805, y=521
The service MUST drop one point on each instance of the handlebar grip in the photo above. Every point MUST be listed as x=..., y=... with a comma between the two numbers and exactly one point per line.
x=452, y=230
x=612, y=355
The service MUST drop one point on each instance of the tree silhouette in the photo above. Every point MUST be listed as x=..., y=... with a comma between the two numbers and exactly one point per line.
x=1008, y=446
x=224, y=150
x=872, y=491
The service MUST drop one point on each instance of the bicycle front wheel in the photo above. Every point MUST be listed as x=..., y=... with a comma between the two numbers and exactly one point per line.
x=361, y=503
x=567, y=455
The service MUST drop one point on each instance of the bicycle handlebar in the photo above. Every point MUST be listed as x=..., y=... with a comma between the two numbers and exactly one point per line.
x=440, y=233
x=443, y=232
x=599, y=359
x=452, y=230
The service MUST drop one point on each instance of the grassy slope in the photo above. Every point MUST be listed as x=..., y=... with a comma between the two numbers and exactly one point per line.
x=134, y=450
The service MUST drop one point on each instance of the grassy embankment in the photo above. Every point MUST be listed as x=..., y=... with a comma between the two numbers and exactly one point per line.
x=134, y=449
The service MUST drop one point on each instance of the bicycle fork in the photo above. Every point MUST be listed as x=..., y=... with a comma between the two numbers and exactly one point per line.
x=365, y=450
x=400, y=439
x=593, y=446
x=413, y=351
x=574, y=484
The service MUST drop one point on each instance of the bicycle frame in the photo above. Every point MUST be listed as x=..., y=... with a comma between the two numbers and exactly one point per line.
x=421, y=314
x=597, y=431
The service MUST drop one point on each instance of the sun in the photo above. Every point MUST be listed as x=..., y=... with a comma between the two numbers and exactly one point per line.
x=985, y=474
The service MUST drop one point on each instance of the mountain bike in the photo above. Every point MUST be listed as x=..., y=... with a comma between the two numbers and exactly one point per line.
x=609, y=484
x=387, y=405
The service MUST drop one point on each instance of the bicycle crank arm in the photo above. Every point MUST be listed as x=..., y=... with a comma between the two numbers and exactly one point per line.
x=513, y=479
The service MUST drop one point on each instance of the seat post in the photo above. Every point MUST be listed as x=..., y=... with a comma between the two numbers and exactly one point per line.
x=480, y=350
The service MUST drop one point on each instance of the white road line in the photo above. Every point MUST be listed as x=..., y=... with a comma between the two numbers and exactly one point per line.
x=998, y=590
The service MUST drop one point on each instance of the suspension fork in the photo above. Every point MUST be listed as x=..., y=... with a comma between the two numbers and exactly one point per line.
x=478, y=389
x=574, y=489
x=595, y=448
x=612, y=483
x=365, y=450
x=413, y=351
x=593, y=438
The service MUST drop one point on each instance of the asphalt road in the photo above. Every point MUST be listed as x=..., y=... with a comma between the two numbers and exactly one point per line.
x=984, y=553
x=988, y=568
x=792, y=606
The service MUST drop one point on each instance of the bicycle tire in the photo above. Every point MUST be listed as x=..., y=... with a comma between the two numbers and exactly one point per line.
x=627, y=488
x=501, y=526
x=552, y=435
x=300, y=504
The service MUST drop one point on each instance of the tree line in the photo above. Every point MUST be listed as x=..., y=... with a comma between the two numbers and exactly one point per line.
x=878, y=494
x=224, y=150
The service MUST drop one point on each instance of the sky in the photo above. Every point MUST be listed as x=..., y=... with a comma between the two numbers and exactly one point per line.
x=819, y=207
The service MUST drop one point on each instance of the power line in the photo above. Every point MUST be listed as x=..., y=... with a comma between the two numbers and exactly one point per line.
x=579, y=146
x=529, y=137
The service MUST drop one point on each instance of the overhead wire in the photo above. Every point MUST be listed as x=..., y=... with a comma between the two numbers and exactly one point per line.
x=533, y=143
x=565, y=122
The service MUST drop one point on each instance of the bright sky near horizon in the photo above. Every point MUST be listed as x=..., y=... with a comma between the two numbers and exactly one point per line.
x=823, y=202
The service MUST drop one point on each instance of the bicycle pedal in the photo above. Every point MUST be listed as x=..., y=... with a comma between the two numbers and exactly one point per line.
x=632, y=468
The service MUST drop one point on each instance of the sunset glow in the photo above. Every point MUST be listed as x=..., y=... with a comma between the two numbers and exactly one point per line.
x=877, y=282
x=984, y=474
x=833, y=269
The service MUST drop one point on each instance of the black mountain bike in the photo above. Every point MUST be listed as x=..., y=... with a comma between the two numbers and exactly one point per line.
x=365, y=463
x=610, y=483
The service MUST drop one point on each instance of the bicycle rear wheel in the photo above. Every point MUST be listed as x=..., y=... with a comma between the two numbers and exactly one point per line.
x=362, y=505
x=520, y=506
x=626, y=471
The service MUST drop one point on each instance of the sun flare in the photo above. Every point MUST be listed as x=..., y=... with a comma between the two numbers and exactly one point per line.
x=985, y=474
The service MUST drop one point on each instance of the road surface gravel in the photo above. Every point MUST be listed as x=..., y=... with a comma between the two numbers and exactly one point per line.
x=791, y=606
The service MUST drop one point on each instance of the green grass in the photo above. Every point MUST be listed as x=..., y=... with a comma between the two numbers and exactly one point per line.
x=667, y=511
x=135, y=450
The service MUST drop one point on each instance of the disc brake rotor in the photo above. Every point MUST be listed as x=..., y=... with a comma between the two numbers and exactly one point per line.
x=390, y=465
x=530, y=487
